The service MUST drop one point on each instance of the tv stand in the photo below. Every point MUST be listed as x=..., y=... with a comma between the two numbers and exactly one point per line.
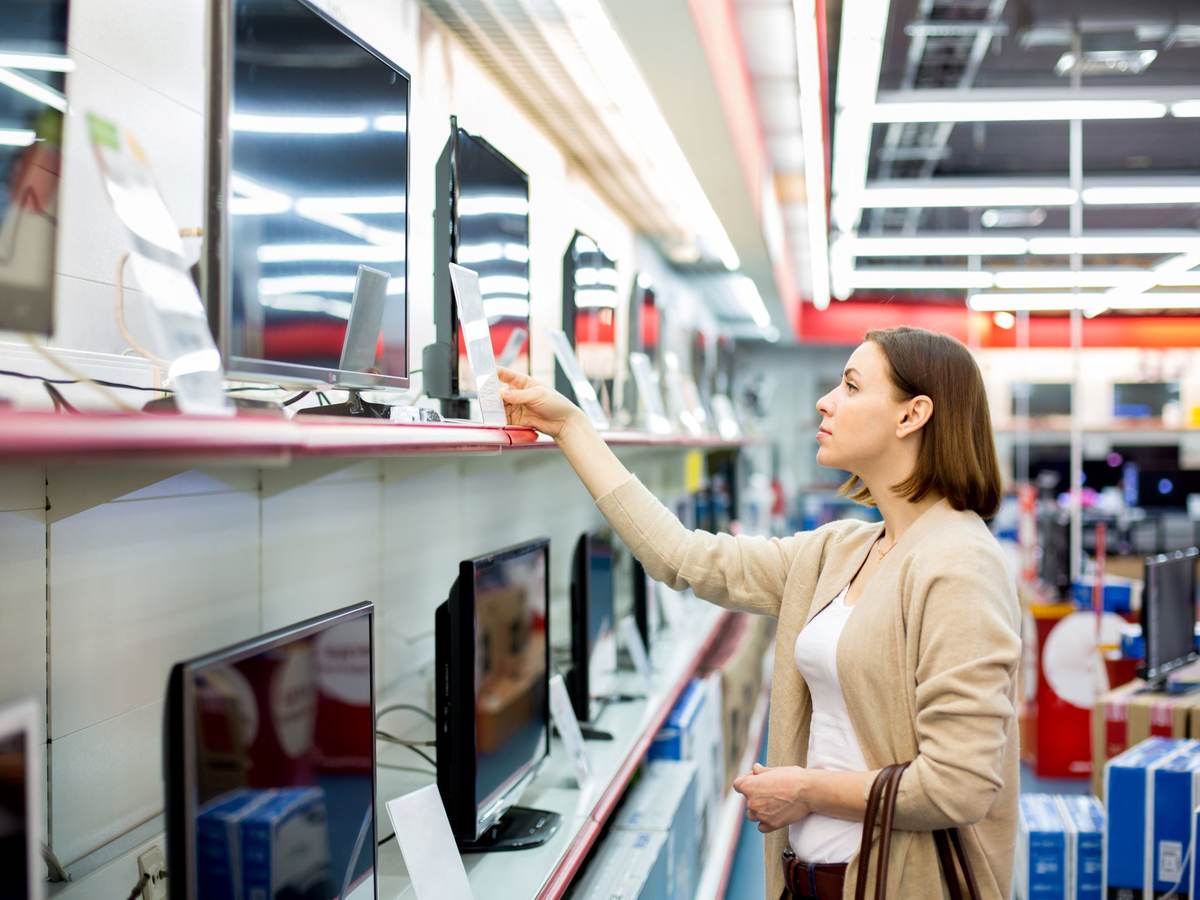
x=518, y=829
x=592, y=733
x=456, y=408
x=356, y=407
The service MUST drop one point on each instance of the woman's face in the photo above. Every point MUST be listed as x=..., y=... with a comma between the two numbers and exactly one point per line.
x=859, y=417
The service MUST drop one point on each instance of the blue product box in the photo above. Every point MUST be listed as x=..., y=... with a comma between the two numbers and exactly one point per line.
x=664, y=801
x=630, y=865
x=1041, y=872
x=1176, y=796
x=1194, y=879
x=1118, y=593
x=218, y=843
x=676, y=737
x=285, y=847
x=1084, y=816
x=1129, y=787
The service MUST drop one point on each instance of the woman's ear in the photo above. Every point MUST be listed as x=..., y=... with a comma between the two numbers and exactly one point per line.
x=917, y=413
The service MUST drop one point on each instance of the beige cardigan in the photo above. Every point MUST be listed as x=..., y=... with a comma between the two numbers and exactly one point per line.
x=928, y=664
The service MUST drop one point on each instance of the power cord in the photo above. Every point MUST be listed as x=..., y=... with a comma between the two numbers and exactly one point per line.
x=404, y=707
x=414, y=746
x=137, y=888
x=62, y=364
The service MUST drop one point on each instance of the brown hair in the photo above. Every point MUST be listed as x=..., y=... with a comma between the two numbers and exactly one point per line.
x=957, y=458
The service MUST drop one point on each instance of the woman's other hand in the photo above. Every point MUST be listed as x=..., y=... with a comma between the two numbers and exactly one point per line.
x=774, y=796
x=530, y=404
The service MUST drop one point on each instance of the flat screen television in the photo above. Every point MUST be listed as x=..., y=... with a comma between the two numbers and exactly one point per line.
x=1143, y=400
x=307, y=180
x=1044, y=398
x=593, y=671
x=270, y=755
x=492, y=664
x=480, y=221
x=1169, y=613
x=589, y=314
x=1054, y=541
x=21, y=773
x=645, y=604
x=33, y=41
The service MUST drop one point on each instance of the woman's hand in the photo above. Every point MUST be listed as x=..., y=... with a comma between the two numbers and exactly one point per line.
x=530, y=404
x=774, y=796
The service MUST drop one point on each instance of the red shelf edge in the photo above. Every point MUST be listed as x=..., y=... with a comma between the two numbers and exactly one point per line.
x=560, y=879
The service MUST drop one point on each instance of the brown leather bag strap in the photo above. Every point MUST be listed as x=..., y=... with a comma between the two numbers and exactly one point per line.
x=868, y=833
x=887, y=815
x=945, y=839
x=941, y=840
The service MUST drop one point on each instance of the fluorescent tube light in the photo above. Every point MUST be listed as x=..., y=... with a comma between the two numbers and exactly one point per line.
x=1145, y=195
x=40, y=62
x=1119, y=243
x=901, y=112
x=943, y=195
x=1186, y=109
x=812, y=125
x=1005, y=320
x=1061, y=278
x=362, y=253
x=33, y=89
x=947, y=279
x=1059, y=302
x=751, y=300
x=17, y=137
x=937, y=245
x=381, y=204
x=310, y=125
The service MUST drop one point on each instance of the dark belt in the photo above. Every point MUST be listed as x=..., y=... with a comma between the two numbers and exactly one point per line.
x=812, y=881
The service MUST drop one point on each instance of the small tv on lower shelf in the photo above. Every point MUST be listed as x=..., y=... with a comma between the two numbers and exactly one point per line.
x=593, y=673
x=492, y=668
x=21, y=790
x=270, y=764
x=1169, y=614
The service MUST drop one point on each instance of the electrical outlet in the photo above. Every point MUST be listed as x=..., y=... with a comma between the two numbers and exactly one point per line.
x=152, y=865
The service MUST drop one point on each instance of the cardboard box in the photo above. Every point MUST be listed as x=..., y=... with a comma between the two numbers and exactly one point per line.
x=1130, y=789
x=664, y=801
x=1084, y=817
x=285, y=847
x=218, y=841
x=630, y=865
x=1129, y=714
x=1176, y=796
x=1041, y=857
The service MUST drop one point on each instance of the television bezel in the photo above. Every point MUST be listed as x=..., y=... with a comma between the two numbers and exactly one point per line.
x=439, y=383
x=179, y=737
x=1158, y=673
x=570, y=312
x=216, y=258
x=455, y=705
x=581, y=611
x=23, y=717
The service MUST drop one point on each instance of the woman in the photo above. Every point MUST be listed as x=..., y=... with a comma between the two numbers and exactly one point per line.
x=897, y=641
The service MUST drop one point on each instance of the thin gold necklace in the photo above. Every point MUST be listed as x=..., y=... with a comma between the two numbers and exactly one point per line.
x=878, y=545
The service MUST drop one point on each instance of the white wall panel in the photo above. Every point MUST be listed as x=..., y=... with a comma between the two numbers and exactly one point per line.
x=320, y=541
x=23, y=604
x=105, y=780
x=138, y=585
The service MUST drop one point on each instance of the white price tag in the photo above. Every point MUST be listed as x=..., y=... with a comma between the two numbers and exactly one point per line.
x=478, y=338
x=431, y=855
x=584, y=392
x=637, y=651
x=568, y=729
x=649, y=394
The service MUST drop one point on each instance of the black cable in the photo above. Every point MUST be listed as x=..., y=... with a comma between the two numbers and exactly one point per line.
x=402, y=742
x=296, y=398
x=386, y=839
x=417, y=750
x=60, y=402
x=407, y=707
x=112, y=384
x=137, y=889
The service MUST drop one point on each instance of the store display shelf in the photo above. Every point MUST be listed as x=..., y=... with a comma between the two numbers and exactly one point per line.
x=548, y=871
x=714, y=878
x=142, y=436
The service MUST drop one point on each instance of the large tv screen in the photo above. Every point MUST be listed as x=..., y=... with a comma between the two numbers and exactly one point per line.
x=33, y=43
x=270, y=754
x=1143, y=400
x=308, y=181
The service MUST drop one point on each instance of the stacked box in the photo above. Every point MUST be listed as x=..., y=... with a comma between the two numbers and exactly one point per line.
x=1129, y=714
x=1041, y=857
x=219, y=844
x=692, y=732
x=664, y=802
x=1176, y=796
x=285, y=846
x=1129, y=785
x=1084, y=817
x=630, y=865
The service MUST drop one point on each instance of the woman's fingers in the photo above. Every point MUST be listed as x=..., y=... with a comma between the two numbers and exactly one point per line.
x=518, y=397
x=513, y=377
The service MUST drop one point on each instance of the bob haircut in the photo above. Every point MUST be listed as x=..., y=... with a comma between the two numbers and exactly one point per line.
x=957, y=458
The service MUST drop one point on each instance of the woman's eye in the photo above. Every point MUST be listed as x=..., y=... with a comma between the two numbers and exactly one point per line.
x=851, y=387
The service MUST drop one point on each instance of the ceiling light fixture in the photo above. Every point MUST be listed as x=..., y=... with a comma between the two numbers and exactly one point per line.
x=1117, y=244
x=970, y=110
x=812, y=126
x=937, y=245
x=940, y=194
x=40, y=62
x=934, y=279
x=1059, y=302
x=17, y=137
x=1186, y=109
x=1064, y=278
x=1143, y=195
x=33, y=89
x=1005, y=320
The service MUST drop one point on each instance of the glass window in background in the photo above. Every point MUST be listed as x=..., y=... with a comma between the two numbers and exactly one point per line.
x=33, y=67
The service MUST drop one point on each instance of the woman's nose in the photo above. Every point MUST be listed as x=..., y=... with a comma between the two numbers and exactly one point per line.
x=823, y=405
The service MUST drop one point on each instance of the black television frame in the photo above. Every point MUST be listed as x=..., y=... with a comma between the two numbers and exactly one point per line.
x=579, y=676
x=179, y=741
x=216, y=258
x=454, y=675
x=440, y=362
x=23, y=719
x=1154, y=671
x=570, y=314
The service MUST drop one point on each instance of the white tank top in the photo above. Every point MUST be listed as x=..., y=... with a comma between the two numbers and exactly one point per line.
x=832, y=743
